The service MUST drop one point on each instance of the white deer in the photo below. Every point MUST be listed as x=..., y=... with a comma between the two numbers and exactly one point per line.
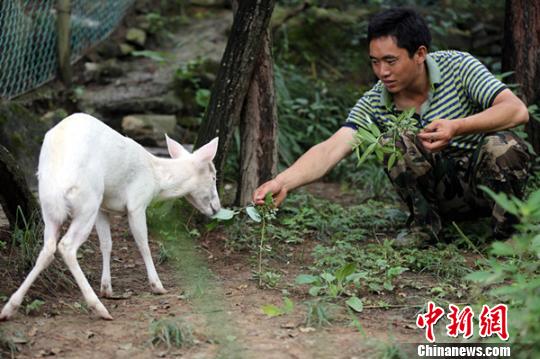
x=86, y=170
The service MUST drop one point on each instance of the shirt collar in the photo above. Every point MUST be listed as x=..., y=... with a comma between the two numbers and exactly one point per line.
x=434, y=75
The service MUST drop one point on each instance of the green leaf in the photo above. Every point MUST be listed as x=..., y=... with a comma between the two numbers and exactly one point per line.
x=367, y=152
x=288, y=305
x=272, y=310
x=535, y=245
x=395, y=271
x=502, y=249
x=502, y=200
x=212, y=225
x=482, y=277
x=253, y=214
x=506, y=290
x=355, y=277
x=202, y=97
x=269, y=199
x=328, y=277
x=365, y=135
x=355, y=304
x=314, y=291
x=391, y=161
x=224, y=214
x=374, y=129
x=345, y=271
x=306, y=279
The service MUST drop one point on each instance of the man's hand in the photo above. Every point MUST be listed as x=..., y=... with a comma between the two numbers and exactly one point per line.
x=279, y=192
x=438, y=134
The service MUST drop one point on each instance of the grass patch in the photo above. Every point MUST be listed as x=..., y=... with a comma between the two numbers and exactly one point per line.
x=171, y=332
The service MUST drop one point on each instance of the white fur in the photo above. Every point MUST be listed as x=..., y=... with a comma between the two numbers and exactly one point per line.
x=87, y=170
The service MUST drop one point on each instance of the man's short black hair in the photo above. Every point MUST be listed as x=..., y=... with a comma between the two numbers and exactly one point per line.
x=405, y=24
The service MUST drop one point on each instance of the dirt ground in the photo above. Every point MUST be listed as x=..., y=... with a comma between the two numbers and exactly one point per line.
x=233, y=325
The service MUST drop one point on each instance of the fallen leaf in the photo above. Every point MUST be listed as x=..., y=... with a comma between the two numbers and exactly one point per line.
x=32, y=331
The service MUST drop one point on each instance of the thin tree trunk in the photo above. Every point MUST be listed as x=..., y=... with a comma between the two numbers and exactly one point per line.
x=258, y=128
x=234, y=76
x=14, y=191
x=521, y=53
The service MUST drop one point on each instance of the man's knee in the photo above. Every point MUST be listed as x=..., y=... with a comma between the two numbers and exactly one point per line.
x=505, y=163
x=506, y=153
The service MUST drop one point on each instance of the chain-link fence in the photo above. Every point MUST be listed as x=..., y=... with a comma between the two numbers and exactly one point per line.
x=28, y=38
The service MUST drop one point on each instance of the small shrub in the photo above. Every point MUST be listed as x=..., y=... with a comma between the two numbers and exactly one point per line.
x=171, y=332
x=34, y=307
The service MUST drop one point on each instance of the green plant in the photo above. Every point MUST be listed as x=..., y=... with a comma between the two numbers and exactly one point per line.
x=318, y=313
x=26, y=236
x=370, y=139
x=163, y=255
x=275, y=311
x=7, y=346
x=261, y=214
x=333, y=284
x=26, y=243
x=34, y=306
x=271, y=279
x=512, y=271
x=171, y=332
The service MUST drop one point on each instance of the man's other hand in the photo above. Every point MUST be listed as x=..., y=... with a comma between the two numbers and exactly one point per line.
x=437, y=135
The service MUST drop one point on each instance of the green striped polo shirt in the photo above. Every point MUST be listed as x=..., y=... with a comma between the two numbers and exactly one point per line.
x=460, y=86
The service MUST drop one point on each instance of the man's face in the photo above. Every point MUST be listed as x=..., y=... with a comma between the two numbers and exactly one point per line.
x=392, y=64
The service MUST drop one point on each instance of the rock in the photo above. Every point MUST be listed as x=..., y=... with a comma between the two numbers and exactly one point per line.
x=126, y=49
x=108, y=49
x=145, y=97
x=149, y=130
x=136, y=36
x=104, y=72
x=190, y=122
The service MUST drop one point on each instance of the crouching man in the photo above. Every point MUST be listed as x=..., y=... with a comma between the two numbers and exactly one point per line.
x=464, y=114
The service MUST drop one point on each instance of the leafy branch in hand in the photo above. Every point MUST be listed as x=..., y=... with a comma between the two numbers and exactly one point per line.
x=370, y=139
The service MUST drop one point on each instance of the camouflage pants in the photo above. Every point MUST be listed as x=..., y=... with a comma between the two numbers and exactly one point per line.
x=444, y=185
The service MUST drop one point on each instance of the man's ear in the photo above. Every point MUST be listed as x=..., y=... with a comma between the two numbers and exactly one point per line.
x=421, y=54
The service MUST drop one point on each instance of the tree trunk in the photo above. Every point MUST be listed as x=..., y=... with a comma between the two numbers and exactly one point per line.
x=258, y=128
x=521, y=53
x=234, y=75
x=14, y=192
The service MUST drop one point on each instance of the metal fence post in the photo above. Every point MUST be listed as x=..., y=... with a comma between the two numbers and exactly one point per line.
x=63, y=9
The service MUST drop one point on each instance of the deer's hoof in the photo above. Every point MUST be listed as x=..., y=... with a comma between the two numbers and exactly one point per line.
x=8, y=311
x=158, y=289
x=103, y=312
x=106, y=291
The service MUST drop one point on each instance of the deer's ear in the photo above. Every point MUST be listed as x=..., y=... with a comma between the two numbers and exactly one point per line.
x=207, y=152
x=176, y=150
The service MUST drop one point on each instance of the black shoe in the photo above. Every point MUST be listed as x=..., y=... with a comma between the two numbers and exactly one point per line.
x=415, y=237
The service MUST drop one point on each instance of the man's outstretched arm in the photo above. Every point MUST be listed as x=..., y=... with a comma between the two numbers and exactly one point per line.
x=312, y=165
